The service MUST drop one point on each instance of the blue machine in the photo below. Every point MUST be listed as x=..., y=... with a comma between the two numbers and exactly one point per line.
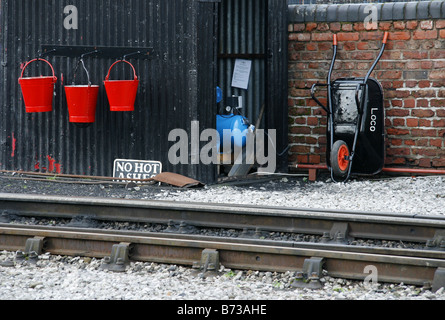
x=238, y=125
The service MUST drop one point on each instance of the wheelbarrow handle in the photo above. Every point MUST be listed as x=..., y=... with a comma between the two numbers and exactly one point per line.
x=385, y=38
x=315, y=98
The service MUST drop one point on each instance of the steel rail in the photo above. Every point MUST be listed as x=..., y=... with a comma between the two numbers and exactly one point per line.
x=363, y=225
x=393, y=265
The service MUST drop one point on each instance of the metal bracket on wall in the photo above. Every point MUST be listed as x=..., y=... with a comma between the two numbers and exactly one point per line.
x=97, y=52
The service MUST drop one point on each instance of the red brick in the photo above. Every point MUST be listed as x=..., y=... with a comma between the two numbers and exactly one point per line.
x=439, y=123
x=302, y=159
x=440, y=24
x=394, y=74
x=396, y=142
x=323, y=27
x=424, y=133
x=399, y=151
x=438, y=162
x=426, y=64
x=425, y=163
x=398, y=122
x=335, y=26
x=299, y=27
x=359, y=26
x=311, y=47
x=322, y=36
x=314, y=159
x=413, y=64
x=310, y=140
x=311, y=26
x=300, y=37
x=411, y=25
x=422, y=35
x=436, y=143
x=424, y=84
x=439, y=54
x=442, y=33
x=409, y=103
x=437, y=74
x=385, y=26
x=397, y=113
x=373, y=35
x=348, y=36
x=440, y=103
x=413, y=123
x=415, y=54
x=397, y=132
x=400, y=35
x=424, y=123
x=422, y=113
x=426, y=25
x=312, y=121
x=399, y=25
x=422, y=103
x=346, y=27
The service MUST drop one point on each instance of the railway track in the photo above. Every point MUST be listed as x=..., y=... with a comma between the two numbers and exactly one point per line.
x=331, y=253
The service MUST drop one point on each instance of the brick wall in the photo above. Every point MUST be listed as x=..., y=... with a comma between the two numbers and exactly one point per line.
x=412, y=73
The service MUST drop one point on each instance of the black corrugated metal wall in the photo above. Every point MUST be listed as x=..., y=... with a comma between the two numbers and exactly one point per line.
x=181, y=34
x=177, y=85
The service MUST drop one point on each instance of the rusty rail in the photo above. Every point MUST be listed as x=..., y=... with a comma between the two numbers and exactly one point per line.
x=393, y=265
x=364, y=225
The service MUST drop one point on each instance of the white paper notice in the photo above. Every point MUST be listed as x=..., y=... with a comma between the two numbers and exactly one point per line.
x=241, y=74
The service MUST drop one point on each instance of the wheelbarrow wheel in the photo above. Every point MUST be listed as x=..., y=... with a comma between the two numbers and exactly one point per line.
x=339, y=158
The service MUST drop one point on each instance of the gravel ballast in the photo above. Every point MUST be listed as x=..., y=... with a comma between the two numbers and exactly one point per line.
x=78, y=278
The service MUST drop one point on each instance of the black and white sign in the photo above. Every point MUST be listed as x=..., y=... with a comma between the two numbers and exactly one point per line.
x=136, y=169
x=241, y=74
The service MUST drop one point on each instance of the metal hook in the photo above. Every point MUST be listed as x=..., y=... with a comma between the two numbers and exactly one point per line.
x=88, y=53
x=130, y=54
x=83, y=65
x=41, y=54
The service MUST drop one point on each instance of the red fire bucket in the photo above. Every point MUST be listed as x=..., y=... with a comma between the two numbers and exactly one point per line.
x=121, y=93
x=38, y=92
x=82, y=101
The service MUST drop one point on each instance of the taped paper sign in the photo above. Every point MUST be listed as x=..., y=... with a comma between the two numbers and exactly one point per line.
x=241, y=74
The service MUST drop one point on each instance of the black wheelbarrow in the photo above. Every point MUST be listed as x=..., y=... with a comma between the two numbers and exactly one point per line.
x=356, y=123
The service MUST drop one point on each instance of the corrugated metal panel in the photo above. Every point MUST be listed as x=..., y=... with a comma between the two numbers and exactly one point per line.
x=242, y=34
x=167, y=98
x=257, y=30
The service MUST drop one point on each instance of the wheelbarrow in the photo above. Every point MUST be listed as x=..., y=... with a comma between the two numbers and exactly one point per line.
x=356, y=122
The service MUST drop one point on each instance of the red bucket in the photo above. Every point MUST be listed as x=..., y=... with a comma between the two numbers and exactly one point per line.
x=121, y=93
x=38, y=92
x=82, y=101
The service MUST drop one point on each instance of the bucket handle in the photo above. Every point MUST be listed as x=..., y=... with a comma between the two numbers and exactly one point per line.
x=84, y=68
x=109, y=71
x=39, y=59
